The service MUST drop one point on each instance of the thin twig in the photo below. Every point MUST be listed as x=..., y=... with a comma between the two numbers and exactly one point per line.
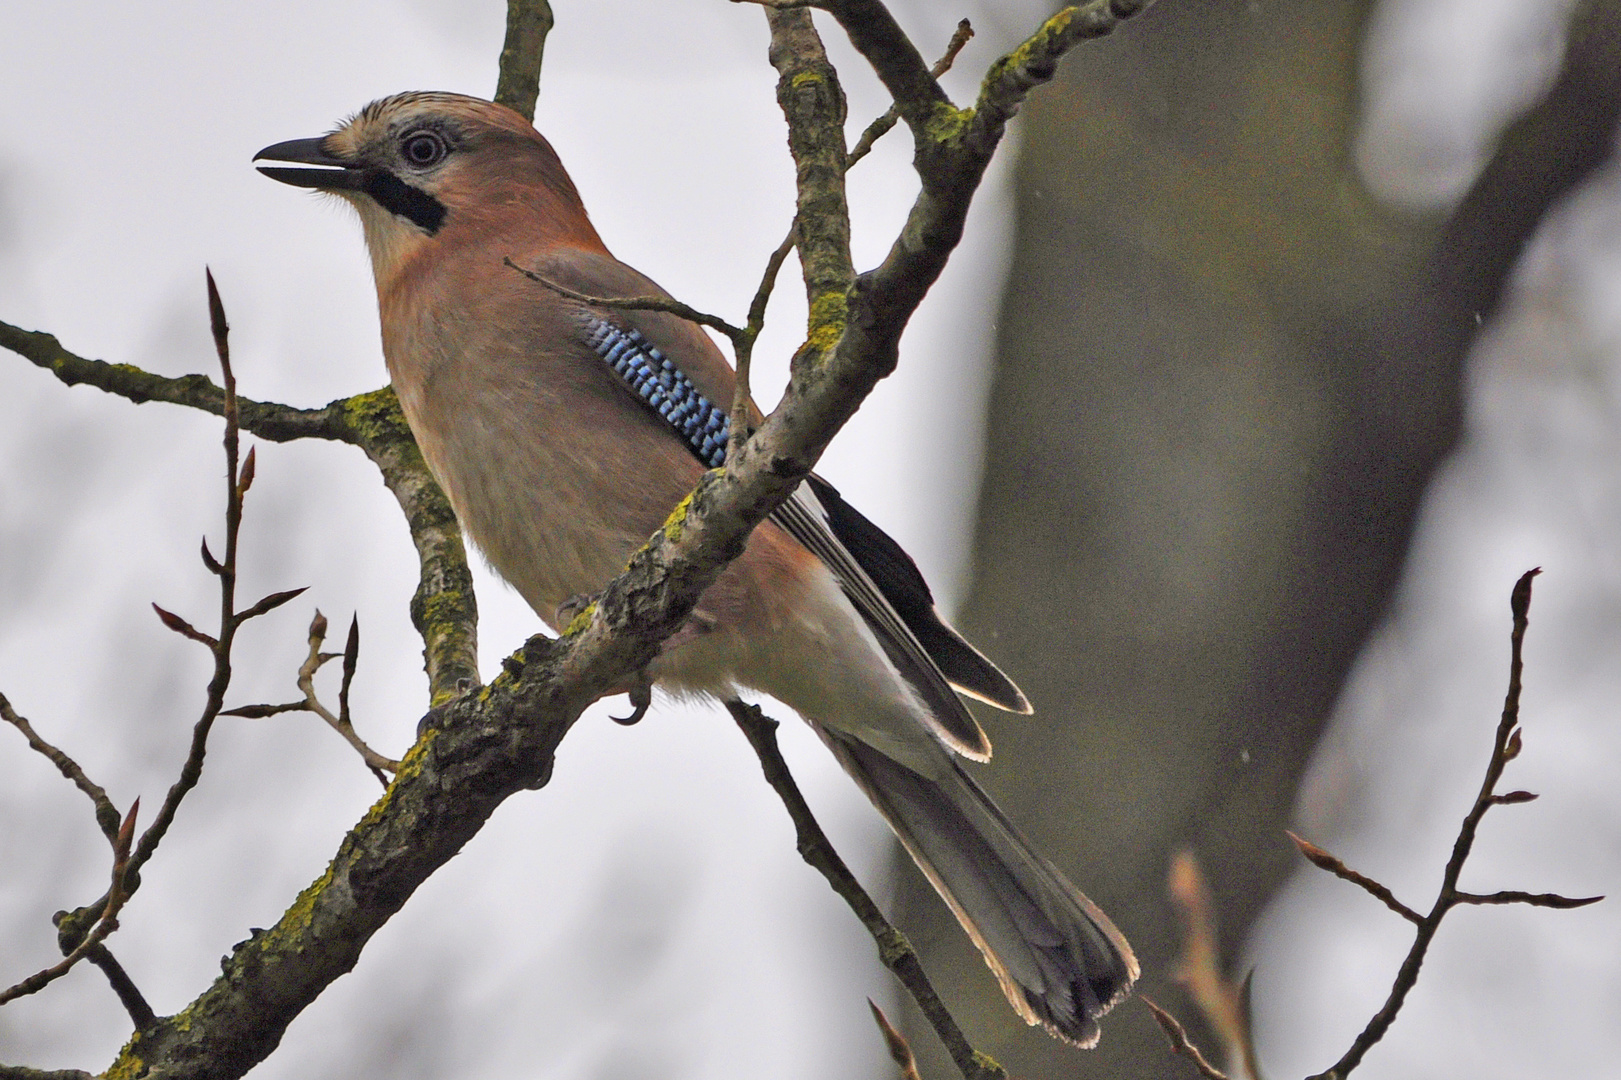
x=129, y=995
x=668, y=305
x=881, y=126
x=1514, y=896
x=107, y=815
x=1505, y=748
x=742, y=414
x=1324, y=860
x=106, y=922
x=1180, y=1043
x=340, y=723
x=237, y=482
x=893, y=948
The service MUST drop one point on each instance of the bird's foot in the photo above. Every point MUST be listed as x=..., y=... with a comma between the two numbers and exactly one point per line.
x=435, y=717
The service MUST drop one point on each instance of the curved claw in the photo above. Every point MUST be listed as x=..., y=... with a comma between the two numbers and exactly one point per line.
x=641, y=699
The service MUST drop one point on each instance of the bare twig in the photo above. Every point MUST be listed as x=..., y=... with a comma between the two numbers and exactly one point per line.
x=518, y=85
x=1224, y=1004
x=106, y=923
x=881, y=126
x=237, y=481
x=1514, y=896
x=1180, y=1043
x=1324, y=860
x=668, y=305
x=340, y=723
x=107, y=815
x=743, y=414
x=893, y=948
x=1505, y=748
x=129, y=995
x=443, y=609
x=900, y=1051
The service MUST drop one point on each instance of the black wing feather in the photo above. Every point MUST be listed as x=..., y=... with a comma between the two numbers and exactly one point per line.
x=902, y=584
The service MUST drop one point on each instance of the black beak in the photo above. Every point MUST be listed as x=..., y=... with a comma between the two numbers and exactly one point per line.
x=336, y=174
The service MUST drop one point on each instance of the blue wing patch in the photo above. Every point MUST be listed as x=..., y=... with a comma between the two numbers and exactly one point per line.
x=655, y=379
x=875, y=574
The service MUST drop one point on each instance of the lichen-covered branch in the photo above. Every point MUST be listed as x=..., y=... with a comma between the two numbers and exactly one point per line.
x=443, y=608
x=1011, y=78
x=812, y=101
x=277, y=423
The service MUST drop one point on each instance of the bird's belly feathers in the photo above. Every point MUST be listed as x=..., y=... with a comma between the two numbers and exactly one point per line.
x=556, y=518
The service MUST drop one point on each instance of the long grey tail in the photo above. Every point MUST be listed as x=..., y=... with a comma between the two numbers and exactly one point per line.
x=1060, y=961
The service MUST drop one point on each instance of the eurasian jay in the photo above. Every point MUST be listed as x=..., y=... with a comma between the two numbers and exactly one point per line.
x=564, y=435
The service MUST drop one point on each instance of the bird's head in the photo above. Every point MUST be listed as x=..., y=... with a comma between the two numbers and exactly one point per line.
x=421, y=167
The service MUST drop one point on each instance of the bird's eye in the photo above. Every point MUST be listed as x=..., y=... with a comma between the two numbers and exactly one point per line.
x=423, y=149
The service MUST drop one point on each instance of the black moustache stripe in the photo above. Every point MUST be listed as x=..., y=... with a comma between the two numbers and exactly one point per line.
x=398, y=197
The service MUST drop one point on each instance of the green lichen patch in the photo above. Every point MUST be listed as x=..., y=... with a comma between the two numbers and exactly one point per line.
x=675, y=524
x=128, y=1065
x=581, y=622
x=376, y=415
x=946, y=122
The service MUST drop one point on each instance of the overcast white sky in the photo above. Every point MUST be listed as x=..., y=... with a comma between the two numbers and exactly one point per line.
x=646, y=916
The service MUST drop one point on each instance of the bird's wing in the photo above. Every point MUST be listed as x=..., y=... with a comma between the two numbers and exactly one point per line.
x=899, y=580
x=874, y=572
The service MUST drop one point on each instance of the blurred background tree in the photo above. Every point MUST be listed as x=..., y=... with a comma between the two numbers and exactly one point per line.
x=1226, y=373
